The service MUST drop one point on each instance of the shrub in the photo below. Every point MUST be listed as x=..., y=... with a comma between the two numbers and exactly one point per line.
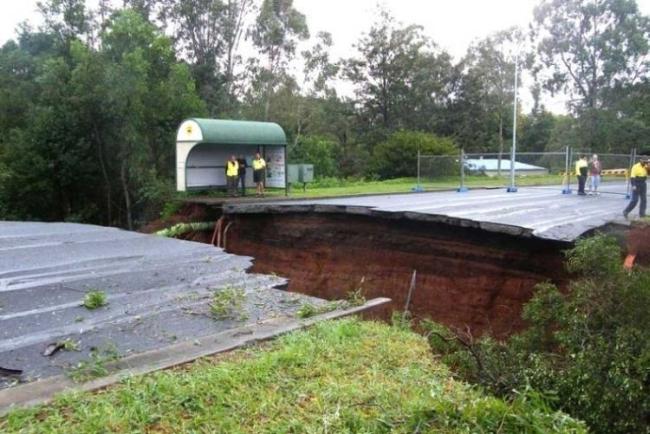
x=95, y=299
x=397, y=156
x=322, y=152
x=590, y=348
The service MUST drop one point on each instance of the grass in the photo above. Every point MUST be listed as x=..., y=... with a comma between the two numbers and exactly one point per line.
x=345, y=376
x=95, y=299
x=93, y=367
x=307, y=310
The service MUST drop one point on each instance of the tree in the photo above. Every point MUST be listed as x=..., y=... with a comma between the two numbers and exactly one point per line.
x=587, y=47
x=401, y=78
x=278, y=28
x=148, y=93
x=209, y=32
x=397, y=156
x=489, y=67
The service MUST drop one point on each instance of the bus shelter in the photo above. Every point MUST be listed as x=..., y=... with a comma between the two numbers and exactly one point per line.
x=203, y=146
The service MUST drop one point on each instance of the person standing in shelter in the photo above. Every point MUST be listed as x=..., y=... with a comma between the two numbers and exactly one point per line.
x=241, y=161
x=232, y=173
x=595, y=168
x=638, y=178
x=581, y=173
x=259, y=169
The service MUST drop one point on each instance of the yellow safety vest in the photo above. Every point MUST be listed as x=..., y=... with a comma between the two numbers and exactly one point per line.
x=259, y=164
x=232, y=168
x=638, y=171
x=579, y=165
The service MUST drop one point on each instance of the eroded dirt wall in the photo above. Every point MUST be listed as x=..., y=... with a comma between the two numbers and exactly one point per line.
x=465, y=277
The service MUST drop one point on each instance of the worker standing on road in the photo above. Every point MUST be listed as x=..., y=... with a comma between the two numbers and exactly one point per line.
x=638, y=177
x=595, y=168
x=581, y=173
x=259, y=169
x=241, y=162
x=232, y=172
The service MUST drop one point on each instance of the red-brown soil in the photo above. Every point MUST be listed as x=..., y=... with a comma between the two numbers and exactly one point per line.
x=465, y=277
x=638, y=242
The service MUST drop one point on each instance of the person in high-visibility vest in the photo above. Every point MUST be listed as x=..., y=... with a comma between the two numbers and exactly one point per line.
x=638, y=177
x=581, y=172
x=232, y=174
x=259, y=170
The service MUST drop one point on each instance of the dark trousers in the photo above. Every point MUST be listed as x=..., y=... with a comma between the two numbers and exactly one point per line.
x=639, y=192
x=232, y=185
x=242, y=181
x=582, y=180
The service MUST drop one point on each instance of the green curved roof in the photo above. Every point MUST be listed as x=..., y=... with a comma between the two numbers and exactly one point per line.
x=228, y=132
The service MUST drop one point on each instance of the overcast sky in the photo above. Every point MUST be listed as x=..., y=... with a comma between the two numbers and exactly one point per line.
x=453, y=24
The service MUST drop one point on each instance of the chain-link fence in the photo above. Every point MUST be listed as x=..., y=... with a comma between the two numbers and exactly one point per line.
x=552, y=169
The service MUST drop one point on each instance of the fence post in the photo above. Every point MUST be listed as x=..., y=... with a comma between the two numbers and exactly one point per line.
x=628, y=182
x=418, y=188
x=567, y=172
x=462, y=188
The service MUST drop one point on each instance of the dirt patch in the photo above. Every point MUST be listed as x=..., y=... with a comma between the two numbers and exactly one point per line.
x=465, y=276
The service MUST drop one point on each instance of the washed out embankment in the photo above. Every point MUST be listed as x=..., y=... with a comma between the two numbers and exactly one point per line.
x=466, y=277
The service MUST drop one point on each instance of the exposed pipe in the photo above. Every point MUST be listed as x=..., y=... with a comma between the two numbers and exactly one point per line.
x=216, y=235
x=225, y=234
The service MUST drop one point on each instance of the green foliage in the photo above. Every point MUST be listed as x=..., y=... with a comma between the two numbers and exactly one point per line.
x=323, y=153
x=340, y=377
x=397, y=156
x=589, y=348
x=229, y=303
x=92, y=144
x=597, y=256
x=95, y=299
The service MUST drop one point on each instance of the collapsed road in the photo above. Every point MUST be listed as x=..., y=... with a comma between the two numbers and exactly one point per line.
x=478, y=255
x=158, y=293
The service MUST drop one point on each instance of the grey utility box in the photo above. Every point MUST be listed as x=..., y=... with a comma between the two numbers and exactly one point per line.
x=293, y=173
x=306, y=173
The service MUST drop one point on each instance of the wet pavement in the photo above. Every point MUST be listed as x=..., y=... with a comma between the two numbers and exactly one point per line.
x=542, y=212
x=158, y=291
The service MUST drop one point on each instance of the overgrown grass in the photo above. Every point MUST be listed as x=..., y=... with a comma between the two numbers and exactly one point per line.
x=338, y=377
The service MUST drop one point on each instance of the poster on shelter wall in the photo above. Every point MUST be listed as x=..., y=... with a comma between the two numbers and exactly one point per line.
x=275, y=167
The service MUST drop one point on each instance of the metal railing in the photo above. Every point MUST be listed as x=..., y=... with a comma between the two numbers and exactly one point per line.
x=555, y=169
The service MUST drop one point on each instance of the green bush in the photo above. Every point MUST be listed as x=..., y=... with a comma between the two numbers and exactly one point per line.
x=322, y=152
x=397, y=156
x=589, y=348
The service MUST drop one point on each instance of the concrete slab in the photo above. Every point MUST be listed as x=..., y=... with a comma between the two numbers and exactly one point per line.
x=159, y=292
x=542, y=212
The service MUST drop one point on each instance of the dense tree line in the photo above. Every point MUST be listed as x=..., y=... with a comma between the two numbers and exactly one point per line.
x=89, y=102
